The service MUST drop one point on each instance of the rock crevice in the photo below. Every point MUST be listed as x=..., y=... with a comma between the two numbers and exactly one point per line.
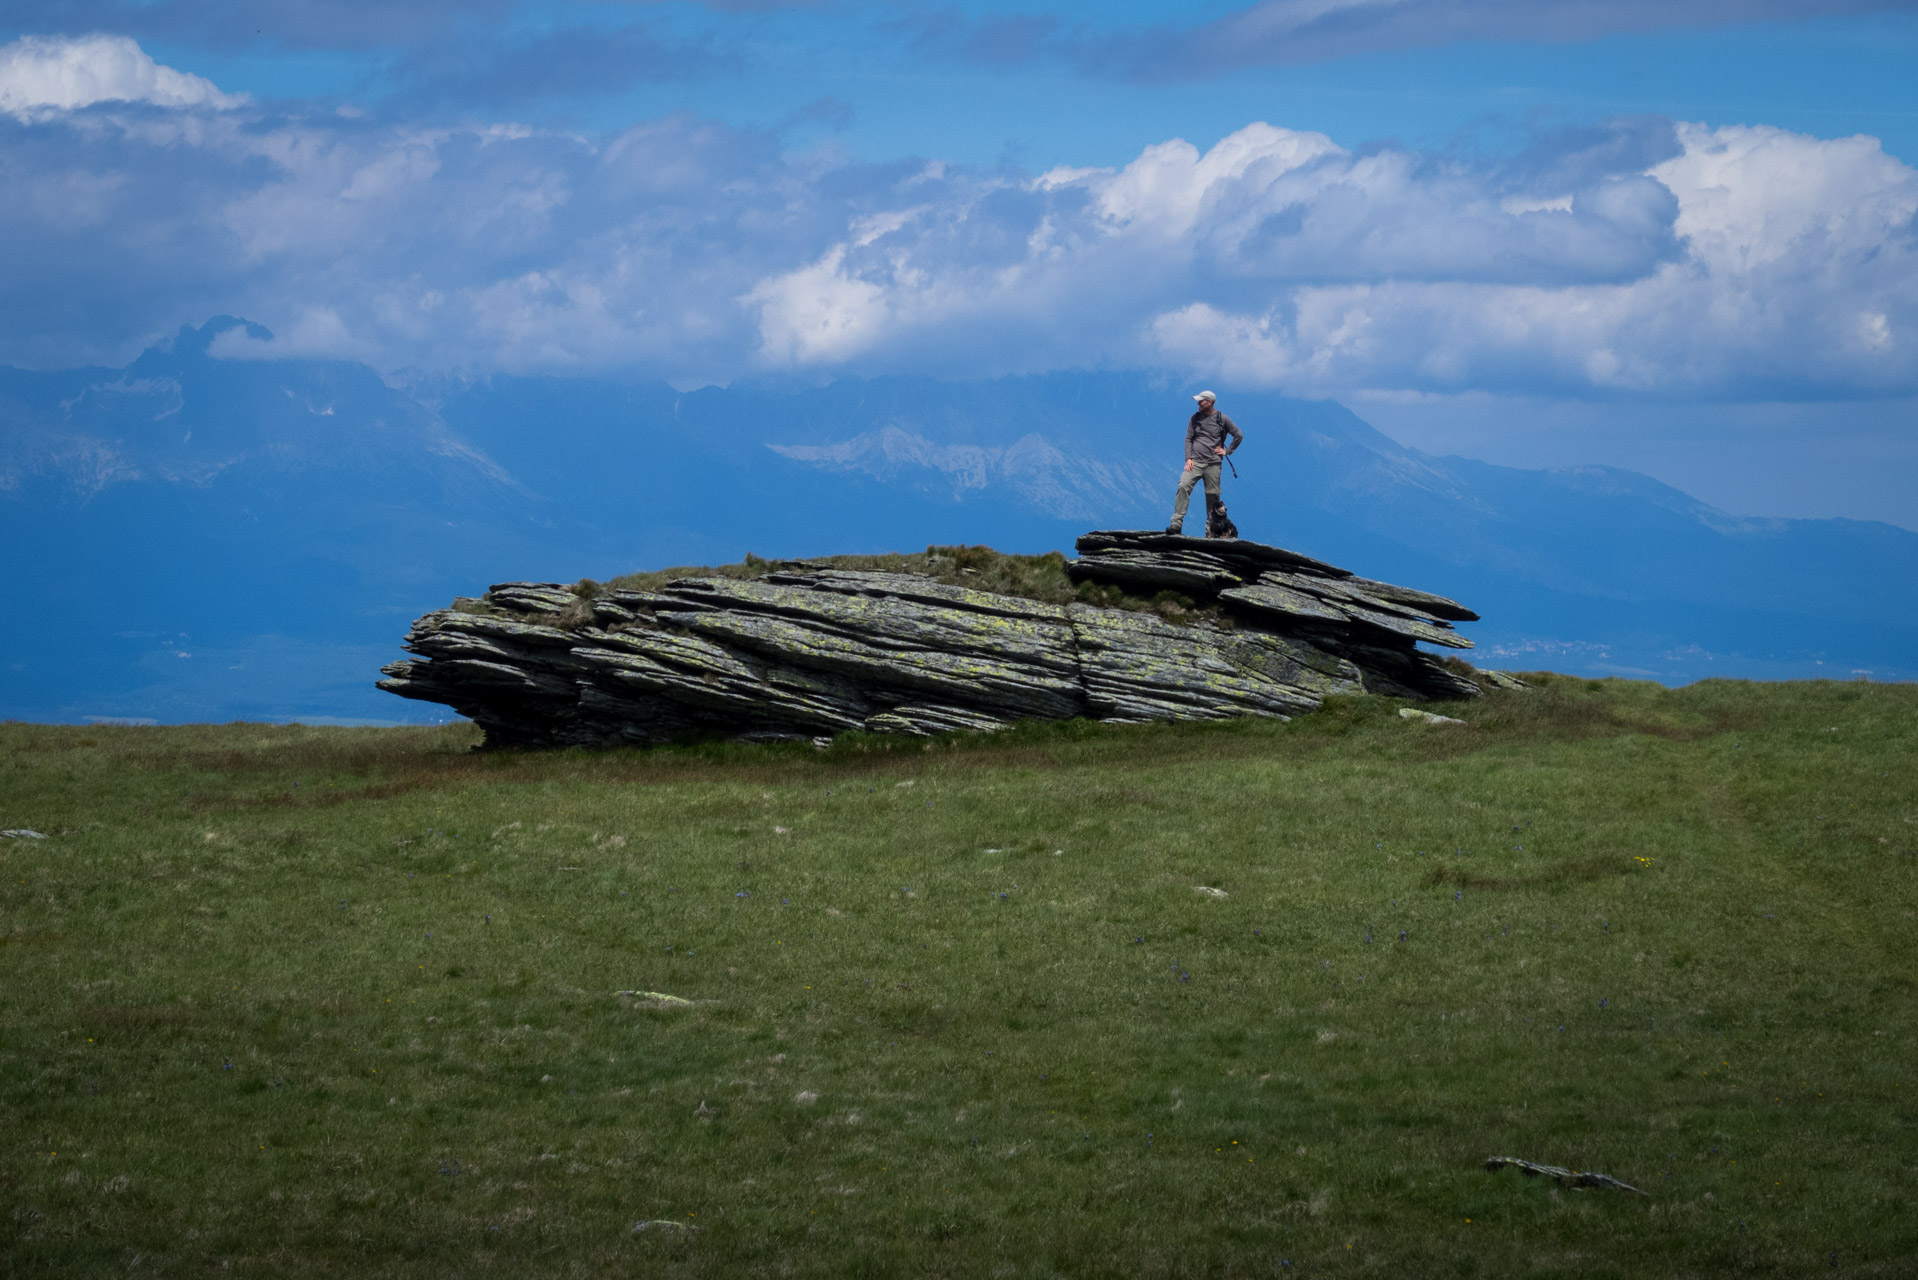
x=806, y=650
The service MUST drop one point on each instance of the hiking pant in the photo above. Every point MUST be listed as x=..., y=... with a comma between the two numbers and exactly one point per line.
x=1209, y=472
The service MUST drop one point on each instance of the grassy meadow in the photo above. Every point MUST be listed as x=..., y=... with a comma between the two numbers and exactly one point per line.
x=286, y=1000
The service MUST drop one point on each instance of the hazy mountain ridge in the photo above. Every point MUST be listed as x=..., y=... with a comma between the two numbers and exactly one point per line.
x=1071, y=488
x=180, y=416
x=293, y=516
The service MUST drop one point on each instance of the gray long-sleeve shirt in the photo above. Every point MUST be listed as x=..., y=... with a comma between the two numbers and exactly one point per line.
x=1206, y=434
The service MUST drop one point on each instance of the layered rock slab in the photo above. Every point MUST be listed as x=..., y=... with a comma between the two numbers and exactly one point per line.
x=1257, y=578
x=809, y=651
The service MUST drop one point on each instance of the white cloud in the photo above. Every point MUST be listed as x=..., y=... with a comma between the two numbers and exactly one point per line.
x=1721, y=263
x=1753, y=195
x=1532, y=204
x=43, y=73
x=1167, y=188
x=1752, y=259
x=317, y=331
x=817, y=314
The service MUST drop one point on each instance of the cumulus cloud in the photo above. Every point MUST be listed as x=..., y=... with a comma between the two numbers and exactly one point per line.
x=1748, y=260
x=479, y=246
x=1643, y=257
x=39, y=73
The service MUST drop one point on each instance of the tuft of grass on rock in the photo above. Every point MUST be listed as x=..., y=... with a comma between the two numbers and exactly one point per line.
x=1042, y=578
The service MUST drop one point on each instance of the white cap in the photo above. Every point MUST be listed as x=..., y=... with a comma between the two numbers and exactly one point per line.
x=1206, y=395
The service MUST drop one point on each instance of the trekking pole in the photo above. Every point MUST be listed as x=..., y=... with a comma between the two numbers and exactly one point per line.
x=1235, y=470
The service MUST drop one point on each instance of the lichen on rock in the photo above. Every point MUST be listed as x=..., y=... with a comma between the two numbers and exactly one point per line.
x=800, y=650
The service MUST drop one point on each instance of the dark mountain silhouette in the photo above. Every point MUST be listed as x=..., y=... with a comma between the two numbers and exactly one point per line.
x=280, y=522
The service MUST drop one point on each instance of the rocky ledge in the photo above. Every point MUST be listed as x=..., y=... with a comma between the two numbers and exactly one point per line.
x=804, y=650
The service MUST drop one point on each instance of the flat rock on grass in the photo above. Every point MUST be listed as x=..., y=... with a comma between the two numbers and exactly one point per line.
x=808, y=651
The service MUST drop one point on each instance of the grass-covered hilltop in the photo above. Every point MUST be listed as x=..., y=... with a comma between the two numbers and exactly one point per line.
x=1245, y=998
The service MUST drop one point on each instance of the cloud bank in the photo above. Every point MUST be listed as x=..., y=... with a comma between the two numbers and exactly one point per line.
x=1644, y=257
x=38, y=75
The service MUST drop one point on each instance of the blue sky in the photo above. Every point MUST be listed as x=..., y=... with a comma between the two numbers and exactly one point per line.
x=1674, y=236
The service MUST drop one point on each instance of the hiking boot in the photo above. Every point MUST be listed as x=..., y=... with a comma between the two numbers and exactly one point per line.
x=1175, y=529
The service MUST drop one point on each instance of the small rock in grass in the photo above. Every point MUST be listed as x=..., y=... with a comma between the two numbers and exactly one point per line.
x=805, y=1097
x=1565, y=1177
x=1208, y=891
x=1426, y=717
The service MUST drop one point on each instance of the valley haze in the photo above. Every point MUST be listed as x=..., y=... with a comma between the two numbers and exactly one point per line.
x=248, y=539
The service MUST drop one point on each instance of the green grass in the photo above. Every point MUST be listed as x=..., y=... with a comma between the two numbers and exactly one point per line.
x=1664, y=934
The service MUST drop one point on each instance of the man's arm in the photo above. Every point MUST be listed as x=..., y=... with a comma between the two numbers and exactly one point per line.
x=1238, y=436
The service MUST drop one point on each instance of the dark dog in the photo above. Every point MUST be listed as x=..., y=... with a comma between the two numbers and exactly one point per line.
x=1217, y=523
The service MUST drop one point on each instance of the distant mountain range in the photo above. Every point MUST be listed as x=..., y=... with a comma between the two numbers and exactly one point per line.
x=191, y=537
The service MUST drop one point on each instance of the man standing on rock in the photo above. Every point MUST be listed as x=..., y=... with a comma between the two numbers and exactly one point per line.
x=1205, y=437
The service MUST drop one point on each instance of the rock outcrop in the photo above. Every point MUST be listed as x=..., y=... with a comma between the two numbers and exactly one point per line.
x=805, y=650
